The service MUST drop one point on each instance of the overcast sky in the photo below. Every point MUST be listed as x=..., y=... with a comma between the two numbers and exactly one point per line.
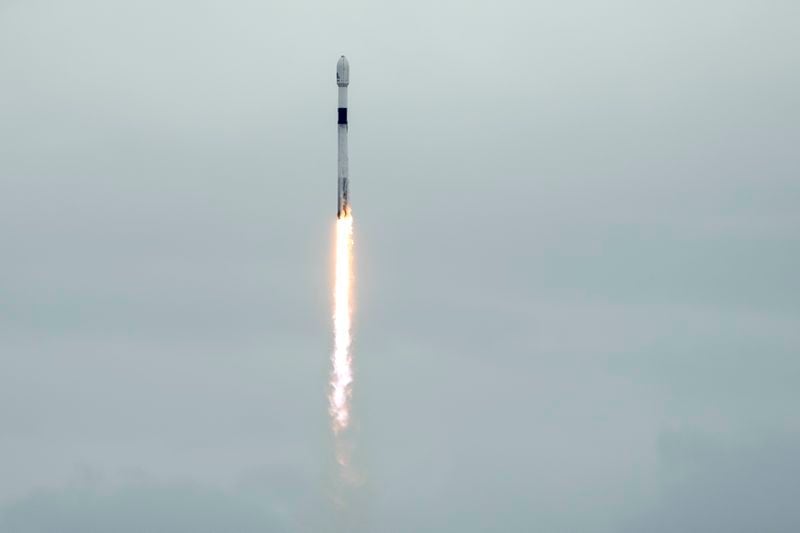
x=577, y=239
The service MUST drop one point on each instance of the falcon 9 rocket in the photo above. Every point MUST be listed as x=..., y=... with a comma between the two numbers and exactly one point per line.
x=343, y=80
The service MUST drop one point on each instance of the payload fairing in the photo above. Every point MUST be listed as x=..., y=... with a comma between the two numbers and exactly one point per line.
x=343, y=80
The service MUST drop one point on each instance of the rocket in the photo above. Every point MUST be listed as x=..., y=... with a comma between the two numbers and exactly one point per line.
x=343, y=80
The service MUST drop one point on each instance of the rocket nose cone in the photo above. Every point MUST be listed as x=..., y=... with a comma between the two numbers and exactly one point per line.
x=343, y=72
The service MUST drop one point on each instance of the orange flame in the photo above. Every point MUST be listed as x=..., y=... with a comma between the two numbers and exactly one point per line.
x=342, y=374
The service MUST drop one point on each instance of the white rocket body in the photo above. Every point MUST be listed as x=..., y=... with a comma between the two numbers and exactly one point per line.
x=343, y=80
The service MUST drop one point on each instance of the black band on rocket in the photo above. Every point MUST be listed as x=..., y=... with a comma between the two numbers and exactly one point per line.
x=342, y=115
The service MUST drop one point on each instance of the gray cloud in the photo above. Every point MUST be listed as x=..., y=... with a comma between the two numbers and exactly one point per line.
x=148, y=507
x=713, y=485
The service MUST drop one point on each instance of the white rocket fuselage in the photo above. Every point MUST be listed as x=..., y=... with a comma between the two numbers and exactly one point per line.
x=343, y=80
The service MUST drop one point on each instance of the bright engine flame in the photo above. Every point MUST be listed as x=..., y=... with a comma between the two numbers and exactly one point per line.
x=342, y=374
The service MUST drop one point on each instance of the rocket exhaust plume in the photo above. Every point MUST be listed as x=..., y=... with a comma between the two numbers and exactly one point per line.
x=342, y=361
x=342, y=374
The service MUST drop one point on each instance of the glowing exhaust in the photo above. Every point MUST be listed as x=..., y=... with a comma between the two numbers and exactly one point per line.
x=342, y=373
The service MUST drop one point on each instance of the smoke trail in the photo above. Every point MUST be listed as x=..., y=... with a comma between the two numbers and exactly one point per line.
x=342, y=372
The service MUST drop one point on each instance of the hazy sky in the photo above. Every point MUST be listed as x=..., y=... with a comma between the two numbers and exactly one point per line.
x=578, y=246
